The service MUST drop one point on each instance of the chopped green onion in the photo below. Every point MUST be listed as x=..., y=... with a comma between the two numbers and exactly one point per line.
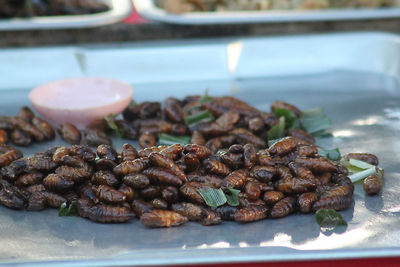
x=205, y=98
x=213, y=197
x=202, y=116
x=70, y=210
x=329, y=218
x=332, y=154
x=132, y=103
x=232, y=199
x=110, y=119
x=314, y=121
x=277, y=131
x=363, y=174
x=290, y=117
x=360, y=164
x=167, y=139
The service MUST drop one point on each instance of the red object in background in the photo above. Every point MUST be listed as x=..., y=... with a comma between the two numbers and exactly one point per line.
x=135, y=18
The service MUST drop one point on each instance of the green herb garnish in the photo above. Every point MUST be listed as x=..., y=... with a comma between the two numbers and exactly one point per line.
x=355, y=177
x=332, y=154
x=167, y=139
x=329, y=218
x=277, y=131
x=290, y=117
x=213, y=197
x=232, y=199
x=205, y=98
x=202, y=116
x=110, y=119
x=66, y=210
x=315, y=122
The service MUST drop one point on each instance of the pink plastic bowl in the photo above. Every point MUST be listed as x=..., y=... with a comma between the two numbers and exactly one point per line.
x=80, y=100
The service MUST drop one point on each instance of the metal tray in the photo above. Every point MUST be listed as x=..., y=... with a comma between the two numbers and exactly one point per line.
x=354, y=77
x=148, y=10
x=119, y=9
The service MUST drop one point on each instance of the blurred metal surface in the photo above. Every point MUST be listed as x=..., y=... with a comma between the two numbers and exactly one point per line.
x=119, y=9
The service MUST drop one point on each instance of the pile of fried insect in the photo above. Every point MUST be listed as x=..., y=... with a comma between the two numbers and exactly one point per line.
x=216, y=164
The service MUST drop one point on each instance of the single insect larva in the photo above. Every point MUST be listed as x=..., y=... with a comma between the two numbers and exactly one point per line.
x=36, y=201
x=265, y=160
x=35, y=188
x=11, y=197
x=28, y=179
x=228, y=120
x=191, y=161
x=74, y=174
x=253, y=189
x=208, y=129
x=256, y=124
x=172, y=110
x=283, y=105
x=337, y=191
x=190, y=191
x=235, y=179
x=372, y=185
x=162, y=176
x=136, y=180
x=107, y=152
x=20, y=138
x=214, y=144
x=15, y=168
x=131, y=166
x=53, y=200
x=232, y=160
x=55, y=182
x=159, y=203
x=103, y=213
x=302, y=135
x=216, y=167
x=145, y=152
x=271, y=197
x=249, y=156
x=369, y=158
x=324, y=178
x=9, y=156
x=305, y=201
x=170, y=194
x=302, y=172
x=307, y=151
x=69, y=133
x=71, y=196
x=157, y=159
x=283, y=146
x=128, y=152
x=105, y=164
x=128, y=192
x=283, y=207
x=104, y=178
x=28, y=128
x=86, y=192
x=251, y=213
x=150, y=192
x=40, y=163
x=335, y=202
x=162, y=218
x=212, y=180
x=192, y=211
x=143, y=110
x=5, y=123
x=227, y=212
x=140, y=207
x=197, y=138
x=294, y=185
x=146, y=139
x=236, y=149
x=317, y=165
x=5, y=148
x=84, y=152
x=108, y=194
x=25, y=113
x=263, y=173
x=95, y=135
x=44, y=127
x=3, y=137
x=284, y=172
x=211, y=218
x=244, y=136
x=201, y=152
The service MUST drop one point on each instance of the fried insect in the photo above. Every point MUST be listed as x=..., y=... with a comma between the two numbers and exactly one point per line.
x=251, y=213
x=190, y=191
x=35, y=188
x=25, y=113
x=127, y=129
x=108, y=194
x=136, y=180
x=143, y=111
x=172, y=110
x=36, y=202
x=192, y=211
x=253, y=189
x=159, y=203
x=20, y=138
x=197, y=138
x=235, y=179
x=28, y=179
x=212, y=180
x=256, y=124
x=372, y=185
x=211, y=218
x=103, y=213
x=369, y=158
x=3, y=136
x=74, y=174
x=232, y=160
x=128, y=192
x=44, y=127
x=272, y=197
x=157, y=159
x=105, y=164
x=128, y=152
x=302, y=135
x=9, y=156
x=265, y=160
x=150, y=192
x=227, y=212
x=249, y=156
x=53, y=200
x=162, y=218
x=305, y=201
x=10, y=196
x=214, y=144
x=302, y=172
x=244, y=136
x=191, y=161
x=307, y=151
x=95, y=135
x=71, y=196
x=107, y=152
x=317, y=165
x=324, y=178
x=57, y=183
x=147, y=139
x=5, y=123
x=283, y=146
x=69, y=133
x=294, y=185
x=171, y=152
x=40, y=163
x=201, y=152
x=162, y=176
x=140, y=207
x=283, y=207
x=228, y=120
x=216, y=167
x=86, y=192
x=334, y=202
x=170, y=194
x=236, y=149
x=283, y=105
x=131, y=166
x=28, y=128
x=104, y=178
x=145, y=152
x=263, y=173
